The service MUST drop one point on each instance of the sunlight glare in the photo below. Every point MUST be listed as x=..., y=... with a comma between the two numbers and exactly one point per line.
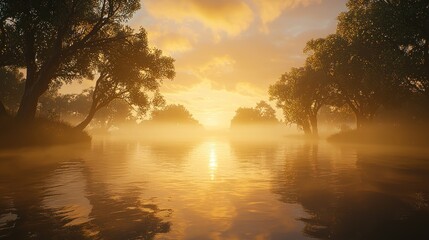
x=212, y=161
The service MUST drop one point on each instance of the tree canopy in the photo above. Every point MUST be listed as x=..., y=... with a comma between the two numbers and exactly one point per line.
x=262, y=113
x=58, y=41
x=132, y=72
x=378, y=58
x=300, y=93
x=175, y=114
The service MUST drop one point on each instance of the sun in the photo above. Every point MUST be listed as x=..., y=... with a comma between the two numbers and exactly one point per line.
x=211, y=122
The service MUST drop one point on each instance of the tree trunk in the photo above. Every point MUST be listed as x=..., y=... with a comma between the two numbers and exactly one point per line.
x=32, y=92
x=359, y=121
x=314, y=126
x=3, y=111
x=306, y=127
x=28, y=107
x=81, y=126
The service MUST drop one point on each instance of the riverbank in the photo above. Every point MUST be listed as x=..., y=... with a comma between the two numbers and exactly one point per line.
x=385, y=135
x=40, y=132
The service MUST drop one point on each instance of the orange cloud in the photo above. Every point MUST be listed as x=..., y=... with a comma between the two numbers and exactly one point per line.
x=229, y=16
x=170, y=43
x=218, y=66
x=215, y=76
x=271, y=10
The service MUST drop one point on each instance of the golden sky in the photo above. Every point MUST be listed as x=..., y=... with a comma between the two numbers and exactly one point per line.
x=228, y=52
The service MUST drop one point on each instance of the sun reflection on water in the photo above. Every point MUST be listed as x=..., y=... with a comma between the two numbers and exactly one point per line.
x=213, y=161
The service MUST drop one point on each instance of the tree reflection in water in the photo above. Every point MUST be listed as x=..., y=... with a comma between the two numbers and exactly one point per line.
x=380, y=199
x=173, y=154
x=124, y=217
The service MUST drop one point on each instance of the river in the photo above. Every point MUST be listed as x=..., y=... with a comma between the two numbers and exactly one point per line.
x=214, y=188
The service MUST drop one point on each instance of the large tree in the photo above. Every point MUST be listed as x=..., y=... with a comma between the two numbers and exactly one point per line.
x=300, y=93
x=356, y=73
x=396, y=33
x=132, y=72
x=58, y=41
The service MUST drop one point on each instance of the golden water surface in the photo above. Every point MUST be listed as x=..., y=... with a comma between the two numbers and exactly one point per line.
x=214, y=188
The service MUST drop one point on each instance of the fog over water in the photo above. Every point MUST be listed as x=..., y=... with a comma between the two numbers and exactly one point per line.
x=214, y=186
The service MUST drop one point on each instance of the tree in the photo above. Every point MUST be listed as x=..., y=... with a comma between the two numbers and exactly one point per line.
x=300, y=93
x=132, y=72
x=397, y=32
x=266, y=112
x=387, y=53
x=57, y=41
x=11, y=87
x=51, y=103
x=263, y=113
x=378, y=56
x=356, y=74
x=173, y=114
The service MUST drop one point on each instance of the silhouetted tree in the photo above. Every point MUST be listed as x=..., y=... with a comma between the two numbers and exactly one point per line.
x=339, y=117
x=372, y=61
x=130, y=71
x=263, y=113
x=11, y=87
x=355, y=75
x=74, y=107
x=175, y=114
x=58, y=40
x=394, y=34
x=266, y=112
x=300, y=93
x=51, y=103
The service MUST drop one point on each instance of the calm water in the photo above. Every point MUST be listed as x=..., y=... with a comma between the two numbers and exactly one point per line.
x=214, y=189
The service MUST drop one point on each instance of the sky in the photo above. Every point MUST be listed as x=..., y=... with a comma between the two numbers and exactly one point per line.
x=228, y=52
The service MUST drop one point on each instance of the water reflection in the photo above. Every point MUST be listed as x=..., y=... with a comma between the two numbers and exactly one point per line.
x=65, y=200
x=376, y=200
x=171, y=154
x=213, y=189
x=255, y=152
x=213, y=161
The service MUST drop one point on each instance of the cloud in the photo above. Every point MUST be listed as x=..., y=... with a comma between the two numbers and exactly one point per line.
x=170, y=42
x=218, y=66
x=229, y=16
x=271, y=10
x=216, y=76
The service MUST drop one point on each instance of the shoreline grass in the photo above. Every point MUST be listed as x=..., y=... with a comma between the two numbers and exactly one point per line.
x=40, y=132
x=385, y=135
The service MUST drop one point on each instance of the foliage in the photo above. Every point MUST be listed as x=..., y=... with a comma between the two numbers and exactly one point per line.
x=378, y=57
x=263, y=113
x=173, y=114
x=397, y=33
x=58, y=41
x=300, y=93
x=11, y=88
x=132, y=72
x=359, y=81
